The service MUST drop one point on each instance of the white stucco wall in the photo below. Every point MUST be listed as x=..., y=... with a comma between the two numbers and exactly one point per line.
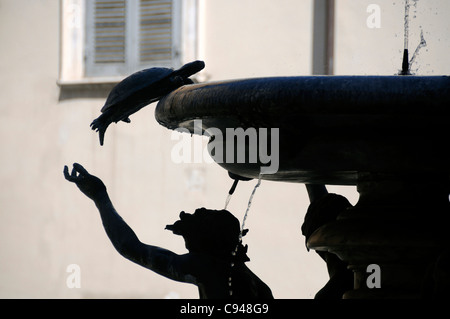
x=46, y=224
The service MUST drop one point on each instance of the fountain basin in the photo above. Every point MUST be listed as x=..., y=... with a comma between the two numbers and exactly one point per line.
x=330, y=127
x=386, y=134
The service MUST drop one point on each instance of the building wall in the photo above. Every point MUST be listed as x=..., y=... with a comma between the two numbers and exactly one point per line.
x=46, y=224
x=256, y=38
x=363, y=47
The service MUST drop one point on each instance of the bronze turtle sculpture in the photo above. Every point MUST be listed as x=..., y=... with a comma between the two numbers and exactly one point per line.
x=140, y=89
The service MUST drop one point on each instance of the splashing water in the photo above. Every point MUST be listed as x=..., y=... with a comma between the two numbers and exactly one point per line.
x=406, y=21
x=231, y=191
x=406, y=25
x=227, y=200
x=234, y=252
x=422, y=44
x=248, y=206
x=406, y=62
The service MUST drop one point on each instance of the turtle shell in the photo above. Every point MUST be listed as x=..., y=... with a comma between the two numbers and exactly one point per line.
x=134, y=83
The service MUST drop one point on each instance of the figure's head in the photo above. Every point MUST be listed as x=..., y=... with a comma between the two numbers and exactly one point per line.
x=213, y=232
x=323, y=211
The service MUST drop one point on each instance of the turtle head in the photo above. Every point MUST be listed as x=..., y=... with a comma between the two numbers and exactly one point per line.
x=191, y=68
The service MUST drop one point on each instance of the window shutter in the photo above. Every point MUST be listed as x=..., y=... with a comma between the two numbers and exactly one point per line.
x=109, y=31
x=123, y=36
x=106, y=37
x=155, y=31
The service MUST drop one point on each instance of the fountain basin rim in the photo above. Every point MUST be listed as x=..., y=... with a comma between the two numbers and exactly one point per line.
x=331, y=127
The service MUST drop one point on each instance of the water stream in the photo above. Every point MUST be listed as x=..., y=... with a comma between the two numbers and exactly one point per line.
x=422, y=44
x=249, y=205
x=406, y=64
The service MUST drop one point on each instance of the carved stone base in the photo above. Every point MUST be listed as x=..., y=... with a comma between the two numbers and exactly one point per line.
x=400, y=223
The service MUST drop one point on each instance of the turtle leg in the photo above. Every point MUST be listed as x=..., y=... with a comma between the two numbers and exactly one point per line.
x=100, y=125
x=180, y=81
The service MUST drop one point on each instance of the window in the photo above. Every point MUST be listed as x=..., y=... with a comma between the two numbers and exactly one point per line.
x=105, y=40
x=124, y=36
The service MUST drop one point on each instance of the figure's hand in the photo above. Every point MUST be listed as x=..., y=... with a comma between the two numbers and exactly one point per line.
x=90, y=185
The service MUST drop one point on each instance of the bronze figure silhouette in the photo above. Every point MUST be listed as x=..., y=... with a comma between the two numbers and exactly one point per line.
x=324, y=208
x=216, y=258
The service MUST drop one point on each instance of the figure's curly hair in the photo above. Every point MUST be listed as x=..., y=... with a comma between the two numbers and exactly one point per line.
x=212, y=232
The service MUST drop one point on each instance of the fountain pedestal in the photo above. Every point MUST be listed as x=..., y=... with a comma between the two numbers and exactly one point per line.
x=399, y=224
x=387, y=135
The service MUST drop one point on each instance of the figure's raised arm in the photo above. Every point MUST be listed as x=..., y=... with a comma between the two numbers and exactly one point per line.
x=90, y=185
x=316, y=191
x=123, y=238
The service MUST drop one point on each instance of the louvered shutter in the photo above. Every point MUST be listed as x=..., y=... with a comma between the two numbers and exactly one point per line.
x=106, y=37
x=155, y=31
x=123, y=36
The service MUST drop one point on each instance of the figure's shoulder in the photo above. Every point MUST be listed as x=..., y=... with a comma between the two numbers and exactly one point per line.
x=204, y=265
x=195, y=262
